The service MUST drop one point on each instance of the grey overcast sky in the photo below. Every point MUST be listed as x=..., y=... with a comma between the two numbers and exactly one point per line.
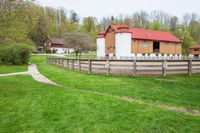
x=102, y=8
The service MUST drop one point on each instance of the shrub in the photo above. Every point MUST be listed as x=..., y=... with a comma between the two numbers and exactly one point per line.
x=47, y=50
x=15, y=54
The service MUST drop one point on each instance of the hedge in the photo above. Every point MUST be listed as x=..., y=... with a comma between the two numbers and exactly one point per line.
x=15, y=53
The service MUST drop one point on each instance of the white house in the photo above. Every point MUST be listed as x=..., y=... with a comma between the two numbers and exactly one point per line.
x=57, y=45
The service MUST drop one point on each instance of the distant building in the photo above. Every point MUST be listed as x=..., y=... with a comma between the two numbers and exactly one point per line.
x=195, y=51
x=122, y=42
x=57, y=45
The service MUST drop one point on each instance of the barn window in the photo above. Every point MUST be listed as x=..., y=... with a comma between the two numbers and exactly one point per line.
x=113, y=47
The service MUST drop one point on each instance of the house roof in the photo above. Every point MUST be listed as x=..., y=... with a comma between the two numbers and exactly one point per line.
x=195, y=46
x=56, y=41
x=143, y=34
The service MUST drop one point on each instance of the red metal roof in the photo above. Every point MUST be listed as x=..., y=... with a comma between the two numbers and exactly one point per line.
x=140, y=33
x=195, y=46
x=101, y=34
x=143, y=34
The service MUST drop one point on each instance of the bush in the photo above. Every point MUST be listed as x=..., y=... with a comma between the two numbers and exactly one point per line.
x=47, y=50
x=15, y=54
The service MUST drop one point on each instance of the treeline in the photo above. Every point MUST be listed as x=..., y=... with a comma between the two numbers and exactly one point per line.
x=28, y=22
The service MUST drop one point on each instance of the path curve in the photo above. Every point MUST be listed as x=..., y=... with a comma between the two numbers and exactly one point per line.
x=33, y=71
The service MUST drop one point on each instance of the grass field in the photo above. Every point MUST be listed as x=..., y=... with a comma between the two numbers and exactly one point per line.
x=29, y=106
x=11, y=69
x=183, y=91
x=91, y=55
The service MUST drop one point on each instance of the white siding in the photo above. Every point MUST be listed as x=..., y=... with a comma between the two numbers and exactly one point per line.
x=62, y=50
x=123, y=45
x=100, y=47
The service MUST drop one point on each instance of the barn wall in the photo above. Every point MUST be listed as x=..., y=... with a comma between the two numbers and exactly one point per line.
x=146, y=47
x=140, y=46
x=193, y=52
x=110, y=42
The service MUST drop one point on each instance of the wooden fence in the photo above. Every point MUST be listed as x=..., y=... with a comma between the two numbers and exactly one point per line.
x=129, y=67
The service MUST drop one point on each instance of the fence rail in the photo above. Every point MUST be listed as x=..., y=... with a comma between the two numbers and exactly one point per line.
x=129, y=67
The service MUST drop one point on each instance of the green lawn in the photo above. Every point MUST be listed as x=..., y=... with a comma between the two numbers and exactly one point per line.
x=34, y=107
x=183, y=91
x=4, y=69
x=91, y=55
x=29, y=106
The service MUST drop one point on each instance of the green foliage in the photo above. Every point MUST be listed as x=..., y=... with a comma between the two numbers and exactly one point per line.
x=47, y=50
x=15, y=53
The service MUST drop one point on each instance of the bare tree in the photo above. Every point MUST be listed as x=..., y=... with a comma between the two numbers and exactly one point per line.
x=79, y=41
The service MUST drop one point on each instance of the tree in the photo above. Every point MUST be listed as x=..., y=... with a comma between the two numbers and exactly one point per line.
x=173, y=23
x=79, y=41
x=74, y=18
x=194, y=29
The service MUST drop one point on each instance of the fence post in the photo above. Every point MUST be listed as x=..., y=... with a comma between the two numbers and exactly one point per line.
x=67, y=63
x=72, y=64
x=79, y=65
x=190, y=67
x=134, y=67
x=59, y=62
x=164, y=67
x=108, y=66
x=89, y=66
x=56, y=61
x=63, y=62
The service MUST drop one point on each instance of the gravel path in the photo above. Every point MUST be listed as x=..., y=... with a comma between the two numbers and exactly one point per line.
x=33, y=71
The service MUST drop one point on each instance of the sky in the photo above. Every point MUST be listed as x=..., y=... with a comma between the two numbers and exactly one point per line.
x=105, y=8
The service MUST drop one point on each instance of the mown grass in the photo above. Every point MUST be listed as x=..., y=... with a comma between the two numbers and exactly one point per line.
x=4, y=69
x=184, y=91
x=91, y=55
x=29, y=106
